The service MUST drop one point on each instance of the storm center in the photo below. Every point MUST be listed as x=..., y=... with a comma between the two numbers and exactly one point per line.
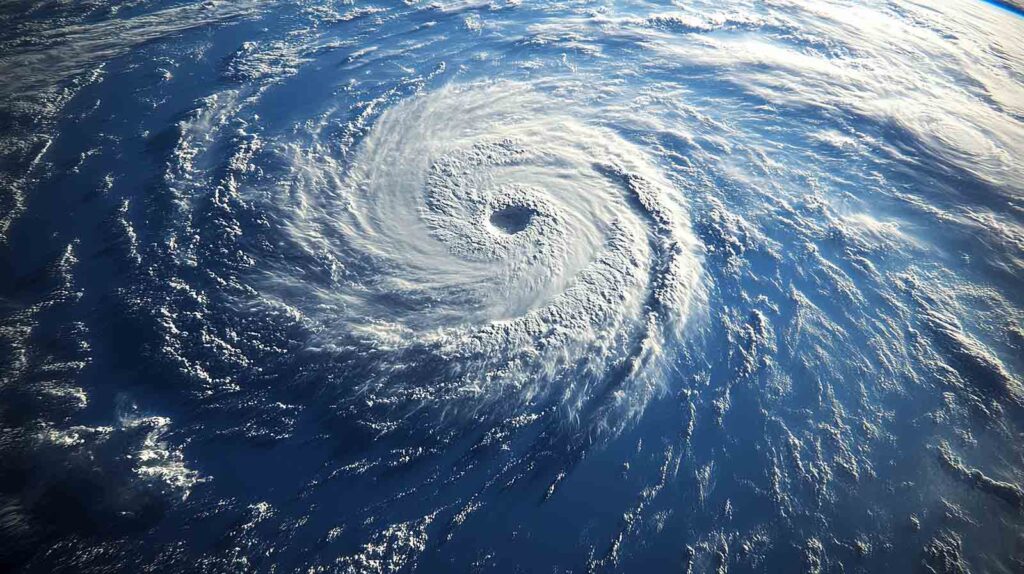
x=511, y=219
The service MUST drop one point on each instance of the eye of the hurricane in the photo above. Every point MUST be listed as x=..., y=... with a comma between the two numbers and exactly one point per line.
x=511, y=219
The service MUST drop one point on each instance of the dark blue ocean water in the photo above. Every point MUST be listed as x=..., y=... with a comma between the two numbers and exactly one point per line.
x=758, y=306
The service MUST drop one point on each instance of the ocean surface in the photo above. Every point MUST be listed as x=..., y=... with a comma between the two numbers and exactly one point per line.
x=511, y=286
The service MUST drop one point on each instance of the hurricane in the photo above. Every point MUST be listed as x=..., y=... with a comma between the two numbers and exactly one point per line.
x=537, y=259
x=511, y=286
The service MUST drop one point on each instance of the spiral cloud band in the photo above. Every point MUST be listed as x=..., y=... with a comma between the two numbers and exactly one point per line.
x=505, y=254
